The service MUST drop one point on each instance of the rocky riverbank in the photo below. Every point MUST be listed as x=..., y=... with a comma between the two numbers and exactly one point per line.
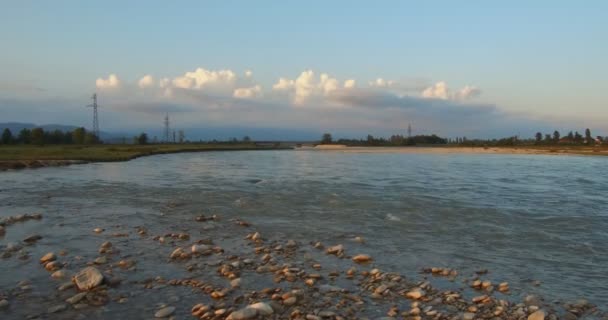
x=32, y=164
x=210, y=268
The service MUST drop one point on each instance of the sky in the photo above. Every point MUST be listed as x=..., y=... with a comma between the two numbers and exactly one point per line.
x=456, y=68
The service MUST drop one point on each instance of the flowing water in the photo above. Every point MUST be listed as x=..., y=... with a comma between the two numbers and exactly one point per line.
x=525, y=218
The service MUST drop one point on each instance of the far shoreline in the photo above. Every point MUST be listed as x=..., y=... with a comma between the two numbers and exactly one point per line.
x=443, y=149
x=32, y=157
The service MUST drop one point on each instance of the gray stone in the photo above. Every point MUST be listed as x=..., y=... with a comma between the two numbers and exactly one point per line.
x=244, y=314
x=57, y=308
x=538, y=315
x=88, y=278
x=76, y=298
x=164, y=312
x=264, y=309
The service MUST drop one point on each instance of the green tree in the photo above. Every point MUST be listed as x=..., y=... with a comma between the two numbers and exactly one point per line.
x=25, y=136
x=326, y=138
x=578, y=138
x=78, y=135
x=142, y=138
x=588, y=137
x=246, y=139
x=7, y=136
x=548, y=138
x=37, y=136
x=90, y=138
x=556, y=136
x=539, y=137
x=570, y=136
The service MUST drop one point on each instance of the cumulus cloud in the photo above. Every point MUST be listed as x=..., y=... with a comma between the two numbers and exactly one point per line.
x=308, y=99
x=307, y=86
x=201, y=78
x=283, y=84
x=440, y=90
x=248, y=93
x=111, y=82
x=350, y=83
x=146, y=81
x=381, y=83
x=468, y=92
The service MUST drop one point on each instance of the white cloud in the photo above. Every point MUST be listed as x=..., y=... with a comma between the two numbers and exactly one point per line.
x=350, y=83
x=437, y=91
x=381, y=83
x=468, y=92
x=146, y=81
x=306, y=86
x=248, y=93
x=283, y=84
x=440, y=90
x=111, y=82
x=201, y=78
x=248, y=73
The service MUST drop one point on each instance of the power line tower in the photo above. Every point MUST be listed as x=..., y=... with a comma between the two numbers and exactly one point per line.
x=167, y=130
x=409, y=130
x=94, y=105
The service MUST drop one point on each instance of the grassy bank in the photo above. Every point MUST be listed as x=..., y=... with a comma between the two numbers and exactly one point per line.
x=21, y=156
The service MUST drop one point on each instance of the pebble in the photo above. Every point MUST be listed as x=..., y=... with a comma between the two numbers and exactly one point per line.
x=202, y=248
x=65, y=286
x=101, y=260
x=98, y=230
x=59, y=274
x=235, y=283
x=264, y=309
x=537, y=315
x=57, y=308
x=4, y=304
x=48, y=257
x=290, y=301
x=243, y=314
x=32, y=239
x=88, y=278
x=2, y=231
x=362, y=258
x=337, y=250
x=531, y=300
x=164, y=312
x=415, y=294
x=468, y=316
x=76, y=298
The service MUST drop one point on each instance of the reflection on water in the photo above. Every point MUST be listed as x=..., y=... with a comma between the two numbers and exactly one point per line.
x=522, y=217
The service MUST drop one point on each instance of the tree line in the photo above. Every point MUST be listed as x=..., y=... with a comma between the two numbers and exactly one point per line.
x=394, y=140
x=38, y=136
x=540, y=139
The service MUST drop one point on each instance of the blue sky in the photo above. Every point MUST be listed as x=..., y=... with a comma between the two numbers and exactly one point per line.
x=540, y=63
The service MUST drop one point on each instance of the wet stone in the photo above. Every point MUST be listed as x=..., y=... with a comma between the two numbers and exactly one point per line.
x=88, y=278
x=57, y=308
x=76, y=298
x=537, y=315
x=164, y=312
x=243, y=314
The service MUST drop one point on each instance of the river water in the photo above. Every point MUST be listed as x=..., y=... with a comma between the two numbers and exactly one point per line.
x=525, y=218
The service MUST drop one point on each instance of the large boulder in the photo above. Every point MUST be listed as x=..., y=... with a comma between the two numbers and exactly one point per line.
x=88, y=278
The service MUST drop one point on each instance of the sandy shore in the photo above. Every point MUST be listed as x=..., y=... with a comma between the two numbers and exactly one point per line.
x=463, y=150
